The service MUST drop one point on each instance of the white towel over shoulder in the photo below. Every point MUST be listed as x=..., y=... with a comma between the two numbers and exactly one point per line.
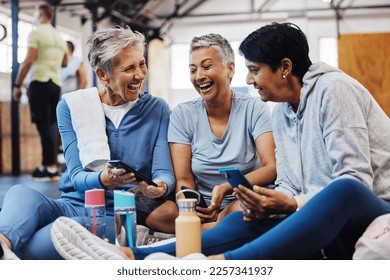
x=89, y=123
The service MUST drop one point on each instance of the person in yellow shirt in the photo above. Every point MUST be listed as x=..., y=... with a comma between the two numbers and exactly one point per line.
x=47, y=53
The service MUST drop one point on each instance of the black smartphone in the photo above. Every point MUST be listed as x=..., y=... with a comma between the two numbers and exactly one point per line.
x=120, y=164
x=235, y=177
x=201, y=203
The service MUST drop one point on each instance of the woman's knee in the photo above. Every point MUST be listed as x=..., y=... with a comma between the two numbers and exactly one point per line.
x=348, y=193
x=15, y=190
x=18, y=192
x=346, y=187
x=163, y=217
x=233, y=217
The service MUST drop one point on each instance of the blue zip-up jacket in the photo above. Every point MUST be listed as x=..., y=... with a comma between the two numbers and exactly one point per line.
x=140, y=141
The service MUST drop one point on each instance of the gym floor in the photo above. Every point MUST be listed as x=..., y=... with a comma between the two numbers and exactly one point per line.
x=50, y=189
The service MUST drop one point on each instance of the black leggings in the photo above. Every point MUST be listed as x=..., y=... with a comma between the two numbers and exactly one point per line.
x=43, y=100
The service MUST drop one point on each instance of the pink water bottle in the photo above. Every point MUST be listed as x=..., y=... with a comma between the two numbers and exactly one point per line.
x=95, y=212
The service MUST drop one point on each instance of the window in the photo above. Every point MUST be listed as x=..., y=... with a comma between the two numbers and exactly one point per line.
x=328, y=51
x=24, y=29
x=6, y=45
x=239, y=79
x=180, y=78
x=25, y=26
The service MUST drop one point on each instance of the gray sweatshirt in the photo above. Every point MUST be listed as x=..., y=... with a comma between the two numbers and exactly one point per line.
x=338, y=131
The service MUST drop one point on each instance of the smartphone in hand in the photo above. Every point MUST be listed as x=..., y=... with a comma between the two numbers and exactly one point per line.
x=235, y=177
x=120, y=164
x=201, y=203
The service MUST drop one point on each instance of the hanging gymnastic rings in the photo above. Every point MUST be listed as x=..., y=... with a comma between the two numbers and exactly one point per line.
x=4, y=33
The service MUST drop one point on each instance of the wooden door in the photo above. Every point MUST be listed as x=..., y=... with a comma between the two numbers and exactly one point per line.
x=366, y=57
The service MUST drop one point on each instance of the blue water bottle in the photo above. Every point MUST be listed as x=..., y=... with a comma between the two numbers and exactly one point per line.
x=125, y=219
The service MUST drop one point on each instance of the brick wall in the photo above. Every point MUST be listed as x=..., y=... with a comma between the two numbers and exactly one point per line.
x=30, y=147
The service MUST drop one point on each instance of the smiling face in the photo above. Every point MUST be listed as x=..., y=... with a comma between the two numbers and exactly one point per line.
x=268, y=83
x=277, y=86
x=124, y=82
x=208, y=74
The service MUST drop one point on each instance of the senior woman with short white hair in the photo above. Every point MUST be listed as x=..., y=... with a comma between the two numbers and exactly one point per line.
x=134, y=130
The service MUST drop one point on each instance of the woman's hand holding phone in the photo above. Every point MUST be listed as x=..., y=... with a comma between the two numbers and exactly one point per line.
x=211, y=213
x=139, y=176
x=261, y=203
x=152, y=191
x=112, y=177
x=118, y=173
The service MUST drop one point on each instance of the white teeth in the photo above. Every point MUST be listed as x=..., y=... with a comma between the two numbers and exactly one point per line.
x=133, y=87
x=204, y=85
x=205, y=89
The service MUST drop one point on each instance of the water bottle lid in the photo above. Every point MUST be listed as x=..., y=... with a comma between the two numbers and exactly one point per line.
x=94, y=197
x=123, y=199
x=187, y=203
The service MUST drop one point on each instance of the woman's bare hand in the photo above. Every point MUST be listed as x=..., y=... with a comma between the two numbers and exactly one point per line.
x=262, y=202
x=112, y=177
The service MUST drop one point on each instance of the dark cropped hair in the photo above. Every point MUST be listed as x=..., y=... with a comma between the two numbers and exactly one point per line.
x=70, y=46
x=46, y=10
x=271, y=43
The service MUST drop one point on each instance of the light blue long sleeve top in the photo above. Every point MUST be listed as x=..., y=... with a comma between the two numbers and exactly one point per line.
x=140, y=141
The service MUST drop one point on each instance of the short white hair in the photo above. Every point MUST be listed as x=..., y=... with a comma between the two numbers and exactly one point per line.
x=218, y=43
x=104, y=45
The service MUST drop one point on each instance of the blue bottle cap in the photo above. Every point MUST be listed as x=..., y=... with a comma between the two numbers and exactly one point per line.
x=123, y=199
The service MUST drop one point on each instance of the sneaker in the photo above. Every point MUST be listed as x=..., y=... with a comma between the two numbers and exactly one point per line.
x=147, y=236
x=6, y=253
x=42, y=174
x=75, y=242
